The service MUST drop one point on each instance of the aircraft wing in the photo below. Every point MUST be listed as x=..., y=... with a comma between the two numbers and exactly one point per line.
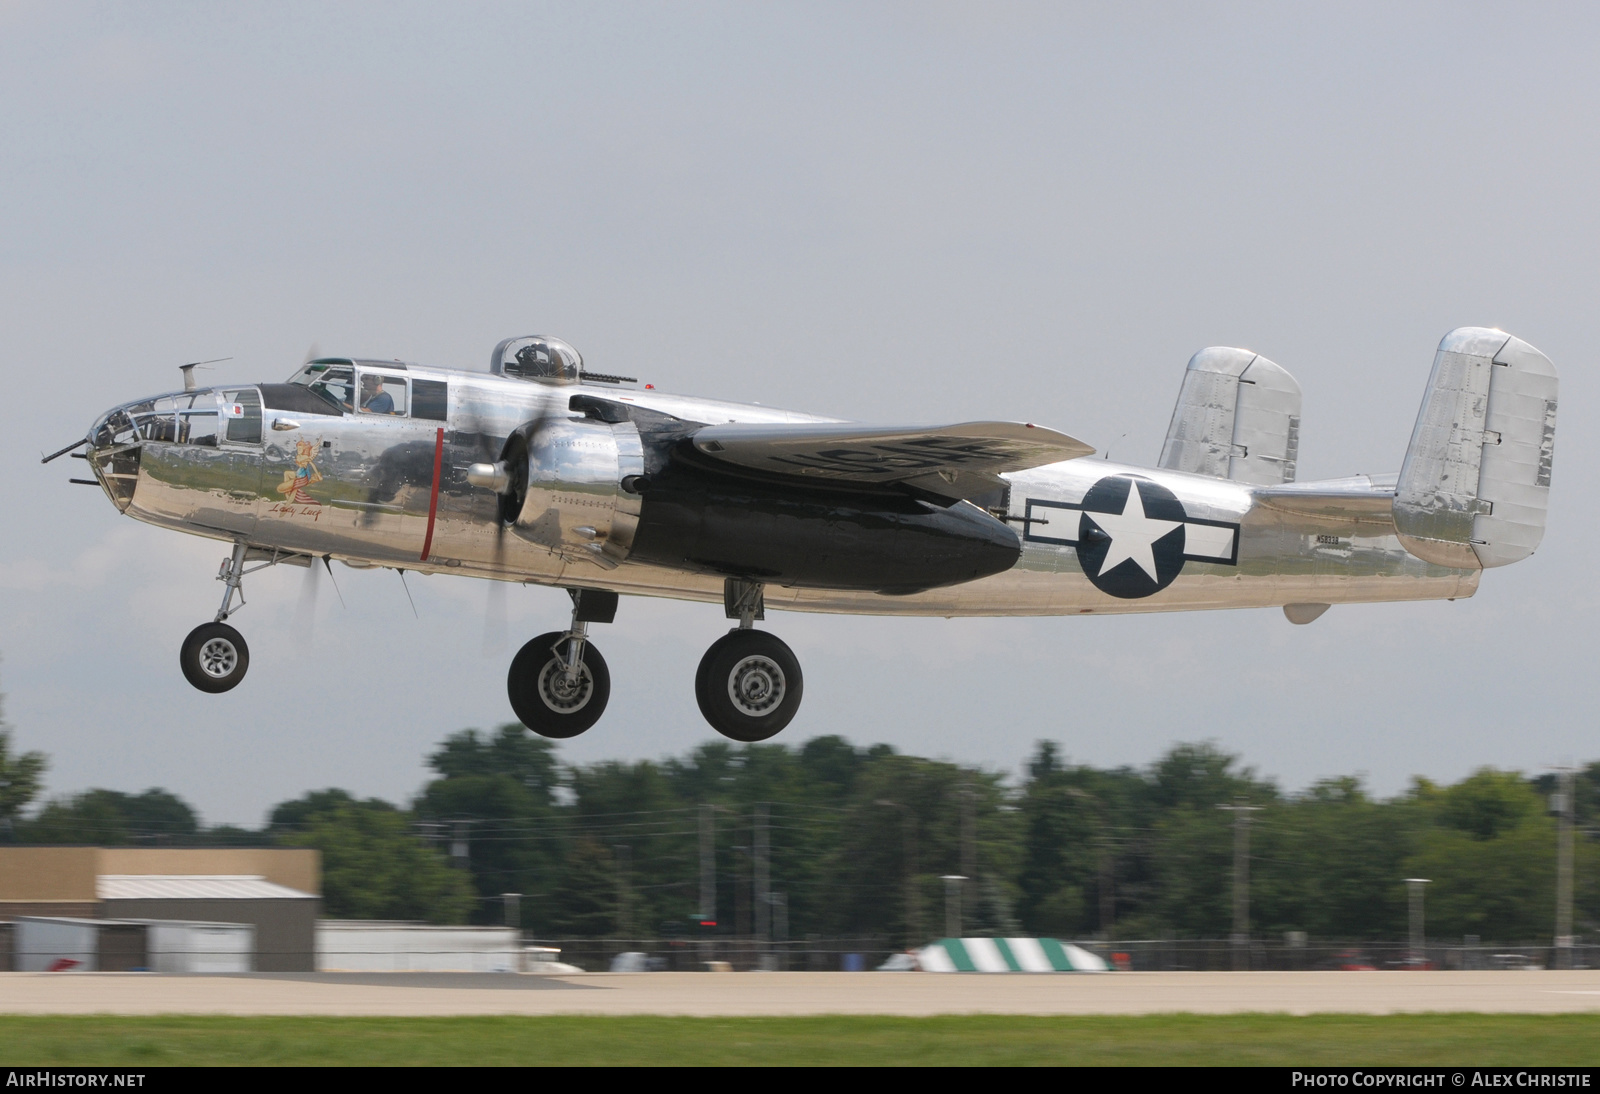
x=932, y=456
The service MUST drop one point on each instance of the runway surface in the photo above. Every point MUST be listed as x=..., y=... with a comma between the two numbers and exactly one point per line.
x=732, y=994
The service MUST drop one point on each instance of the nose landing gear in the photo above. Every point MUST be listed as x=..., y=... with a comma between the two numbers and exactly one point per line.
x=214, y=656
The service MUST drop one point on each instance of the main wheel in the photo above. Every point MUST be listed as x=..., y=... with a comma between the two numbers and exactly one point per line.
x=748, y=685
x=545, y=700
x=214, y=657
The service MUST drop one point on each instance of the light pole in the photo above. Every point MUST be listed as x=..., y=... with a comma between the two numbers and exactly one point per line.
x=1418, y=939
x=1241, y=882
x=952, y=904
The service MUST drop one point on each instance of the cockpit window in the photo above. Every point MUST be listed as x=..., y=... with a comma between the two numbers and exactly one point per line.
x=337, y=385
x=381, y=394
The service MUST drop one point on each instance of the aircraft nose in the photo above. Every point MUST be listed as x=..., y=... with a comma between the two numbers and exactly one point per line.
x=114, y=446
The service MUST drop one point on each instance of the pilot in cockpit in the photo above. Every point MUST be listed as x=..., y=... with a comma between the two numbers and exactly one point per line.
x=374, y=399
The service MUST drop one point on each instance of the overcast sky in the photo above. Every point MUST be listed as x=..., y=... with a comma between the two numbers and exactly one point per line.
x=892, y=212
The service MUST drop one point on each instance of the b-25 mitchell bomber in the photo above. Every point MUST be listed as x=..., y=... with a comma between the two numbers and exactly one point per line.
x=542, y=472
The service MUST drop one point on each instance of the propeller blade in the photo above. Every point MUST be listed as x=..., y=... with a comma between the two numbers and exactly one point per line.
x=494, y=618
x=506, y=474
x=327, y=565
x=305, y=612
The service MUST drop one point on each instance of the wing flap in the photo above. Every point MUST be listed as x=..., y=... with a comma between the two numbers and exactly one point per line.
x=886, y=454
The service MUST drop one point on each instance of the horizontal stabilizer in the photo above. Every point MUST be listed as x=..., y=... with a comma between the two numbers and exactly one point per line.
x=844, y=452
x=1357, y=500
x=1476, y=482
x=1238, y=417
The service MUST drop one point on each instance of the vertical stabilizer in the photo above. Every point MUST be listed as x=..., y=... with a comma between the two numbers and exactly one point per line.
x=1238, y=417
x=1476, y=481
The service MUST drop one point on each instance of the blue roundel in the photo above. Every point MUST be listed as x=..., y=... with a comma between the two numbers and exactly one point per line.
x=1131, y=536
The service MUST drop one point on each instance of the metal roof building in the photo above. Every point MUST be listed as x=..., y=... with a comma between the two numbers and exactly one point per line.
x=275, y=890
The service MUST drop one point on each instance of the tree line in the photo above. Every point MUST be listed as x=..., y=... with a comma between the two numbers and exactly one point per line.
x=829, y=839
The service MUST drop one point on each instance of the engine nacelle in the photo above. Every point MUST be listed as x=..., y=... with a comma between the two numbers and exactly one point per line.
x=560, y=486
x=788, y=534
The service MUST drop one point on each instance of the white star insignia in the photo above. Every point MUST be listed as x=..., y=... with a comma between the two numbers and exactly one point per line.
x=1132, y=534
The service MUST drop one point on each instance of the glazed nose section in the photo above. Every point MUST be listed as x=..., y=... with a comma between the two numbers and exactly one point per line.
x=114, y=445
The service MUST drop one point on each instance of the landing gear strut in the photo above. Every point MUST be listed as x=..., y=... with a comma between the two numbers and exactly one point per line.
x=559, y=683
x=749, y=683
x=214, y=655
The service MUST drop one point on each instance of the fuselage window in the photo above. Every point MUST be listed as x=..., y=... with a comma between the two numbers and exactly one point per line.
x=337, y=386
x=381, y=394
x=198, y=427
x=241, y=410
x=430, y=399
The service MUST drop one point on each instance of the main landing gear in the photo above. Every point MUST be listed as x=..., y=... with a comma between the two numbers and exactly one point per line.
x=748, y=686
x=214, y=656
x=749, y=683
x=559, y=683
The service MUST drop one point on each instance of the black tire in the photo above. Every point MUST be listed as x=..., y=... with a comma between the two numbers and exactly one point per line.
x=541, y=700
x=748, y=685
x=214, y=657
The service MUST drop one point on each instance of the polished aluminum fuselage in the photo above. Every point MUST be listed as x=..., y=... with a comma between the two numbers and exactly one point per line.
x=371, y=497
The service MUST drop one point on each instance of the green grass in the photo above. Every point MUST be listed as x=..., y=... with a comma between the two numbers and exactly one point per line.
x=1182, y=1039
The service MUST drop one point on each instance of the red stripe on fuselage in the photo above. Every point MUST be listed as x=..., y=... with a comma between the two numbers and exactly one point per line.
x=433, y=499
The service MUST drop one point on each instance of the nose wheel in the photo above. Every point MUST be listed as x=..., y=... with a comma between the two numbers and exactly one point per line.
x=214, y=657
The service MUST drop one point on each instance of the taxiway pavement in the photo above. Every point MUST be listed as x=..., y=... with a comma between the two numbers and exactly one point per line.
x=733, y=994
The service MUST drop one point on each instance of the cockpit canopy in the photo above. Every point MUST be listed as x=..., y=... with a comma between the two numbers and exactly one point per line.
x=534, y=357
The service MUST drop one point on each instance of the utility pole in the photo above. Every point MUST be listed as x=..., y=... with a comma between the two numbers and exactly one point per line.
x=1241, y=882
x=969, y=845
x=741, y=891
x=1564, y=810
x=622, y=853
x=913, y=905
x=1107, y=859
x=708, y=866
x=1418, y=934
x=763, y=873
x=513, y=902
x=780, y=926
